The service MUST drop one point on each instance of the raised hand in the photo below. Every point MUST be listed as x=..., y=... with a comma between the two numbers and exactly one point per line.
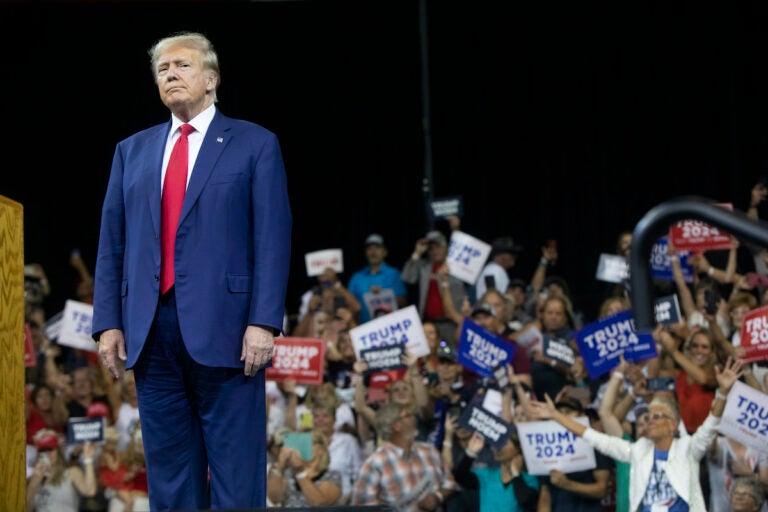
x=729, y=374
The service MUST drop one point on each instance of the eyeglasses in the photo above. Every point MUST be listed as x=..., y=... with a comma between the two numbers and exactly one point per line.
x=658, y=416
x=740, y=494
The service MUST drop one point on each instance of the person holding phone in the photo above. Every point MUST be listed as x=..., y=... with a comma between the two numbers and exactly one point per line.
x=56, y=486
x=495, y=273
x=294, y=481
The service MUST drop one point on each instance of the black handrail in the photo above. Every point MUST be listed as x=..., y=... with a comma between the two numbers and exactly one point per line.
x=656, y=223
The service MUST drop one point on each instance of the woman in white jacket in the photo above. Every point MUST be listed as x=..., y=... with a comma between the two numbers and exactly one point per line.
x=664, y=472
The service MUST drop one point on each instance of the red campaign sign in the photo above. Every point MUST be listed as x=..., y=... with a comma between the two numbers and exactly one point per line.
x=29, y=349
x=697, y=236
x=302, y=359
x=754, y=335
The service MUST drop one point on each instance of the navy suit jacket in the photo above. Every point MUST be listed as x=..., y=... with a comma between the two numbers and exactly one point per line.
x=232, y=243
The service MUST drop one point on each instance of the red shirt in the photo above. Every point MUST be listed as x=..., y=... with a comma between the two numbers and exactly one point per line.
x=433, y=307
x=694, y=400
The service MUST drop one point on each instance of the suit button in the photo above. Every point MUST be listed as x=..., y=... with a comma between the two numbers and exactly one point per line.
x=182, y=276
x=157, y=277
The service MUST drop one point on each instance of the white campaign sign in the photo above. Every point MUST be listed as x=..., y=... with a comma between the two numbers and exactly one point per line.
x=318, y=261
x=466, y=256
x=76, y=322
x=384, y=298
x=612, y=268
x=401, y=327
x=745, y=418
x=547, y=445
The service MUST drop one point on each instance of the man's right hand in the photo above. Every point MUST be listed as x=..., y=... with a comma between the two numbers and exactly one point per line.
x=111, y=346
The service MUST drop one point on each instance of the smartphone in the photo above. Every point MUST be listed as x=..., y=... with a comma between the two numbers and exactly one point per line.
x=711, y=301
x=552, y=244
x=301, y=442
x=490, y=282
x=339, y=302
x=661, y=384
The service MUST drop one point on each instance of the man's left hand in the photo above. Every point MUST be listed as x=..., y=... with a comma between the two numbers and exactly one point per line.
x=258, y=344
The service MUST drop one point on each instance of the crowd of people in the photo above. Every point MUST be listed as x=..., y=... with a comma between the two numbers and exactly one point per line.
x=346, y=442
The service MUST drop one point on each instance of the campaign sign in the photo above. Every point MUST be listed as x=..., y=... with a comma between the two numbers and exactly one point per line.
x=398, y=328
x=661, y=265
x=302, y=359
x=482, y=351
x=29, y=349
x=318, y=261
x=492, y=401
x=699, y=236
x=600, y=343
x=745, y=418
x=466, y=256
x=82, y=430
x=446, y=206
x=547, y=445
x=76, y=325
x=500, y=375
x=612, y=268
x=754, y=335
x=52, y=327
x=384, y=358
x=559, y=350
x=384, y=299
x=494, y=430
x=529, y=339
x=668, y=310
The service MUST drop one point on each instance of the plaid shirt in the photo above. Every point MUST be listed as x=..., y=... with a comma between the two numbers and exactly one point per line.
x=389, y=478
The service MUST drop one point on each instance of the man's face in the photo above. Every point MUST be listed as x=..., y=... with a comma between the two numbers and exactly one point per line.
x=183, y=82
x=375, y=254
x=437, y=252
x=81, y=383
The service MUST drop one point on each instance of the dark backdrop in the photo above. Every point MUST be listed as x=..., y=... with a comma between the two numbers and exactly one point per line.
x=565, y=120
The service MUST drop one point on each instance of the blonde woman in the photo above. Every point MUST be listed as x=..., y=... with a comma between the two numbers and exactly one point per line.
x=54, y=486
x=294, y=482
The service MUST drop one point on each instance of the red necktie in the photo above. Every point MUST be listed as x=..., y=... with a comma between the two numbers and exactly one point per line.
x=174, y=187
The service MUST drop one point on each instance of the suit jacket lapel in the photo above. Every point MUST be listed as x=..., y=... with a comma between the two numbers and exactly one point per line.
x=154, y=163
x=216, y=138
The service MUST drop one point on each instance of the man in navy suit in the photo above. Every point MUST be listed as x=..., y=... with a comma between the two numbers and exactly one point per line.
x=197, y=349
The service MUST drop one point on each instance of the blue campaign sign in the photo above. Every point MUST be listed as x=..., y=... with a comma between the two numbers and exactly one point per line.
x=601, y=342
x=661, y=266
x=668, y=310
x=482, y=351
x=493, y=429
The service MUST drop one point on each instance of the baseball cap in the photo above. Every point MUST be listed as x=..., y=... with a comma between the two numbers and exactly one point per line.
x=436, y=237
x=374, y=238
x=97, y=410
x=505, y=244
x=46, y=440
x=483, y=308
x=446, y=353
